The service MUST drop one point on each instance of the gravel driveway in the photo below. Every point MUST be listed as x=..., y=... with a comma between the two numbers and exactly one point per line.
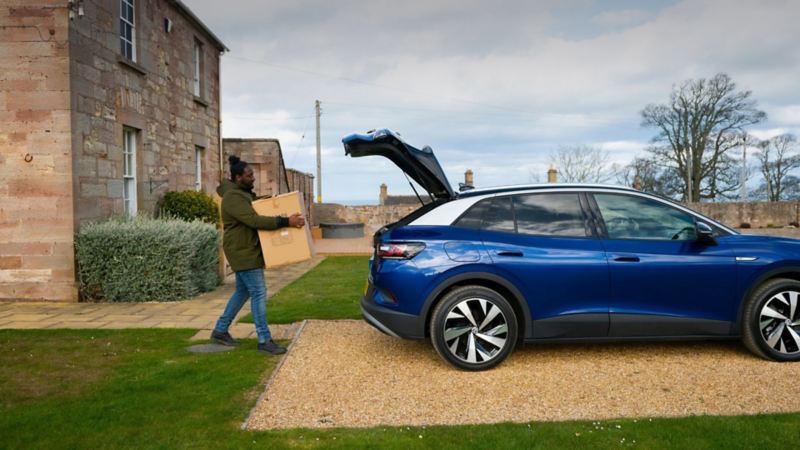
x=346, y=374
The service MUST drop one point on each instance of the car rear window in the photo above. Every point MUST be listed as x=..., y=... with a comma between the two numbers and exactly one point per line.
x=500, y=216
x=473, y=218
x=549, y=214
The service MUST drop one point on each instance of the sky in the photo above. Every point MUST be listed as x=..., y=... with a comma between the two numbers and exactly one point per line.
x=495, y=87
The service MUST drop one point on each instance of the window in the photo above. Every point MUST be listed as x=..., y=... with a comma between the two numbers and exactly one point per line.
x=549, y=214
x=198, y=168
x=473, y=218
x=631, y=217
x=500, y=216
x=198, y=68
x=127, y=29
x=129, y=171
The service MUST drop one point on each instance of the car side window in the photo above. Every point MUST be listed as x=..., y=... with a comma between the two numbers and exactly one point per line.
x=473, y=218
x=631, y=217
x=556, y=214
x=500, y=216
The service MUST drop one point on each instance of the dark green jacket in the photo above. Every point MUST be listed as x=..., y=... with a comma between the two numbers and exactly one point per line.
x=241, y=224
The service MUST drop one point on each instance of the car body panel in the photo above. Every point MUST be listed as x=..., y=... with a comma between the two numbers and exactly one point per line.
x=421, y=165
x=669, y=279
x=554, y=273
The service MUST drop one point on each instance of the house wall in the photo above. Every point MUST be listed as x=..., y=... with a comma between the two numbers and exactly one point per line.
x=65, y=96
x=304, y=183
x=272, y=178
x=153, y=96
x=264, y=157
x=36, y=201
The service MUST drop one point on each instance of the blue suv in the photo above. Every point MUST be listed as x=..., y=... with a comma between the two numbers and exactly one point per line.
x=481, y=271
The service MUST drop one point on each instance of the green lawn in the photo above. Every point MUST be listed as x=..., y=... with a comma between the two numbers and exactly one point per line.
x=332, y=290
x=113, y=389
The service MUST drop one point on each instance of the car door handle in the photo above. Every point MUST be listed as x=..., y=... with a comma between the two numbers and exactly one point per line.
x=626, y=258
x=509, y=253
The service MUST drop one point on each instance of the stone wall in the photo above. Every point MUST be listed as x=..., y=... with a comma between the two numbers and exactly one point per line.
x=265, y=158
x=153, y=95
x=36, y=196
x=757, y=214
x=65, y=95
x=304, y=183
x=372, y=216
x=272, y=177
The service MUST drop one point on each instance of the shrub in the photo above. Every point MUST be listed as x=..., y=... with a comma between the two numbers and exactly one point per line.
x=190, y=205
x=744, y=225
x=132, y=260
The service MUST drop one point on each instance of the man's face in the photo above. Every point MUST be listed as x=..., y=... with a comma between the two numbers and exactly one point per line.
x=246, y=180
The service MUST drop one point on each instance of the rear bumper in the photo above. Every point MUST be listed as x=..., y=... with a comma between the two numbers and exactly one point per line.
x=390, y=322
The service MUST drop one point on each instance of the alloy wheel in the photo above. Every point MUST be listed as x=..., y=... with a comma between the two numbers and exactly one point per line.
x=475, y=330
x=779, y=322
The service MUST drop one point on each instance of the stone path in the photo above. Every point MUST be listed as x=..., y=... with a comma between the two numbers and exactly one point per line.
x=200, y=312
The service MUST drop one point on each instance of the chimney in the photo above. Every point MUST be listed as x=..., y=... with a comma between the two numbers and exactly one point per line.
x=384, y=193
x=637, y=183
x=468, y=180
x=552, y=175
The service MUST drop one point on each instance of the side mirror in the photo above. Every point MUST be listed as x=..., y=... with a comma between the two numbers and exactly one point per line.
x=705, y=234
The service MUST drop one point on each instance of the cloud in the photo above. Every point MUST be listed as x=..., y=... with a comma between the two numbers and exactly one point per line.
x=621, y=18
x=491, y=87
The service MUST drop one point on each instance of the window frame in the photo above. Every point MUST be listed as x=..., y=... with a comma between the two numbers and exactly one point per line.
x=198, y=83
x=124, y=42
x=588, y=228
x=603, y=229
x=130, y=203
x=199, y=153
x=589, y=223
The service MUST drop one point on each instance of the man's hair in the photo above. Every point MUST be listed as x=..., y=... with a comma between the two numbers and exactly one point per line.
x=237, y=166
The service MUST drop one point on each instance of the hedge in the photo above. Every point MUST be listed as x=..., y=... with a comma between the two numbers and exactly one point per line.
x=190, y=205
x=142, y=259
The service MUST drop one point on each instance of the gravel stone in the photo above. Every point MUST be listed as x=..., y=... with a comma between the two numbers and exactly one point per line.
x=347, y=374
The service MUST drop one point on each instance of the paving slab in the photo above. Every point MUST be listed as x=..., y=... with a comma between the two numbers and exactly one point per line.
x=201, y=312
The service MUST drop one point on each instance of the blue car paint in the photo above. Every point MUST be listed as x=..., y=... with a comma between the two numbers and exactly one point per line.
x=672, y=278
x=577, y=276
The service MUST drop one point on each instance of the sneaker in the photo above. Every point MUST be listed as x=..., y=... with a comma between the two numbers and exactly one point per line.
x=271, y=347
x=223, y=339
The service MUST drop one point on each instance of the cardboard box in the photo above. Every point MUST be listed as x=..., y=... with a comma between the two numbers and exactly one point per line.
x=285, y=245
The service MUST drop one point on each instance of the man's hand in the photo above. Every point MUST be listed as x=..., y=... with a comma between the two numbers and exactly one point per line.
x=296, y=220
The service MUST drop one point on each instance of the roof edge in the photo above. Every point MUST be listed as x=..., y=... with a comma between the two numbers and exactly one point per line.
x=183, y=9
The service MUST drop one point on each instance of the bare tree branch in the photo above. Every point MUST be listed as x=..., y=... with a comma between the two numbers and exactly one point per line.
x=696, y=130
x=581, y=164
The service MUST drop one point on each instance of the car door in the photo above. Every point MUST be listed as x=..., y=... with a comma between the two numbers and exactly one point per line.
x=664, y=282
x=546, y=243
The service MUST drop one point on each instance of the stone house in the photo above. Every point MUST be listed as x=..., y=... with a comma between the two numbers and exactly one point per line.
x=272, y=177
x=105, y=105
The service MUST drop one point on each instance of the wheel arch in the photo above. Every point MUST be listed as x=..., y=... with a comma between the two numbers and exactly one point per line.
x=495, y=282
x=791, y=272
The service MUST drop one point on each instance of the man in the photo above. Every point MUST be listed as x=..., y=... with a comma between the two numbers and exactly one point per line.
x=243, y=250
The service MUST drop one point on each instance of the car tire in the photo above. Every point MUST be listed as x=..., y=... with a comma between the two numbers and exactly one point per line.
x=473, y=328
x=768, y=318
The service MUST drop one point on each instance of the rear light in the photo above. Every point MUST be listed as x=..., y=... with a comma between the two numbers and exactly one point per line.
x=405, y=250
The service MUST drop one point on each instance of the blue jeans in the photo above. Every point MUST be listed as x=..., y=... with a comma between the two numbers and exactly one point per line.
x=249, y=284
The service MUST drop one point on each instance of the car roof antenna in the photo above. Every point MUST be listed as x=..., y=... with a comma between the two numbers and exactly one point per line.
x=413, y=188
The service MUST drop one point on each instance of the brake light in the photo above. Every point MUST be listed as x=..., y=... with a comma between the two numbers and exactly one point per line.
x=405, y=250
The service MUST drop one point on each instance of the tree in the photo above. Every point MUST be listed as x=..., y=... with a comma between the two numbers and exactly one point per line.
x=654, y=178
x=581, y=164
x=778, y=157
x=703, y=120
